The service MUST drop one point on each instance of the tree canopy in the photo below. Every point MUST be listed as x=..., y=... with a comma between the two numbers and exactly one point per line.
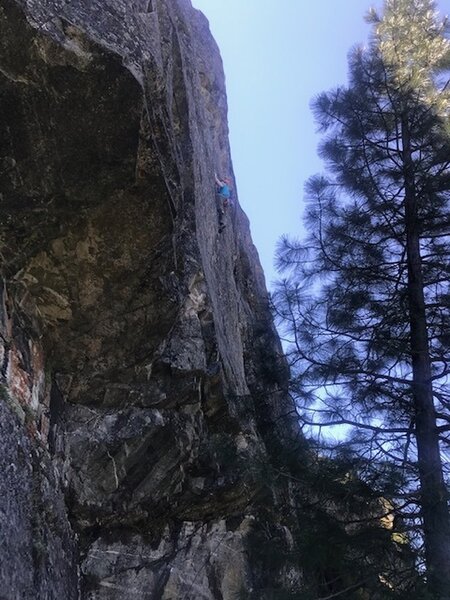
x=365, y=303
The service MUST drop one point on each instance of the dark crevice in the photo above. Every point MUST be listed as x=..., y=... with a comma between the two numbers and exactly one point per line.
x=56, y=412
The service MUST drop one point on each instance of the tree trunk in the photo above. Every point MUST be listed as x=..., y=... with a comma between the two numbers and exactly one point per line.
x=434, y=506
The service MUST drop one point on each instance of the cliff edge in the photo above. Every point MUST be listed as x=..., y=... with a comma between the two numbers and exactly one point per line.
x=143, y=390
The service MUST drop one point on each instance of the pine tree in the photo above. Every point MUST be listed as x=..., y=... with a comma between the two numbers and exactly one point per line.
x=367, y=300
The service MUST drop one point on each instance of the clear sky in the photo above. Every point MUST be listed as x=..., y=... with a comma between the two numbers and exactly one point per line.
x=278, y=54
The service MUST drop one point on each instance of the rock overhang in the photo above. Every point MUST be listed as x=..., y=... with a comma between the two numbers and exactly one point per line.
x=148, y=324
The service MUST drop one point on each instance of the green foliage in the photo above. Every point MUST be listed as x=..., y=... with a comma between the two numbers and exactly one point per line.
x=375, y=267
x=411, y=40
x=343, y=537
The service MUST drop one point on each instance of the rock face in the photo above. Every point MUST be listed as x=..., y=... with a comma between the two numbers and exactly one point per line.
x=143, y=392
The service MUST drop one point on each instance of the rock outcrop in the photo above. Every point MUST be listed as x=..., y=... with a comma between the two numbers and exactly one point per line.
x=143, y=390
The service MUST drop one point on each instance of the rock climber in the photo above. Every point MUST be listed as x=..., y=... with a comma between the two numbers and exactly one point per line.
x=223, y=189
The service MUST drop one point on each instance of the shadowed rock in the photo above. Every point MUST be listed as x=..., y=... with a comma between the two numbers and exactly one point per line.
x=137, y=344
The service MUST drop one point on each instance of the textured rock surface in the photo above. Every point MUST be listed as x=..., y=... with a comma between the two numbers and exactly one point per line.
x=141, y=372
x=38, y=555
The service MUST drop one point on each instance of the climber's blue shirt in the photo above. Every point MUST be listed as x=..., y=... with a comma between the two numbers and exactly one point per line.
x=224, y=191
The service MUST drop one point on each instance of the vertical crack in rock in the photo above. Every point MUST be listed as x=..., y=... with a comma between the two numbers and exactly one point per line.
x=141, y=376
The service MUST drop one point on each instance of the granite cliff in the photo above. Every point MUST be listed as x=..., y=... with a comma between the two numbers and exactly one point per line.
x=143, y=393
